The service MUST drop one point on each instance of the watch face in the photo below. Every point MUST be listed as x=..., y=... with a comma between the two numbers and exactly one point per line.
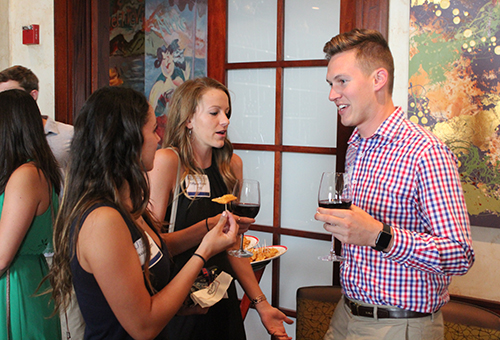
x=384, y=238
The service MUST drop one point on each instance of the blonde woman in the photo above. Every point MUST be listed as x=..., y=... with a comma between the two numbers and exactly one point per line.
x=196, y=139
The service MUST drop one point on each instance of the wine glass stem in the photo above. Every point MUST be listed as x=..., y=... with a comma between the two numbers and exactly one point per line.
x=332, y=249
x=241, y=242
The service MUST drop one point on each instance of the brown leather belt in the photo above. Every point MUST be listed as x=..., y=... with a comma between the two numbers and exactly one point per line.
x=382, y=312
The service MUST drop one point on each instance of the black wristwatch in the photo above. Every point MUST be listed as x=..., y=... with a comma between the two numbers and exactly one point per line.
x=383, y=238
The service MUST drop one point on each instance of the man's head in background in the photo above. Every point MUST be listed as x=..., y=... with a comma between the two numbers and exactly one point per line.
x=19, y=77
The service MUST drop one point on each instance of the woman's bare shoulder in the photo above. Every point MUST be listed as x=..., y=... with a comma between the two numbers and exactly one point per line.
x=166, y=159
x=28, y=176
x=236, y=164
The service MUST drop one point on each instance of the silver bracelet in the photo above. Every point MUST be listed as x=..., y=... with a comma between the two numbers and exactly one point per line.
x=258, y=299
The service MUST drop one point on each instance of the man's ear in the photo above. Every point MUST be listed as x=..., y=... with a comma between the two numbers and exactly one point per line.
x=380, y=77
x=34, y=94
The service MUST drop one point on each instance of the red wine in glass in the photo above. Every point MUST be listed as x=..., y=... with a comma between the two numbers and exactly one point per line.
x=335, y=204
x=245, y=209
x=334, y=193
x=247, y=204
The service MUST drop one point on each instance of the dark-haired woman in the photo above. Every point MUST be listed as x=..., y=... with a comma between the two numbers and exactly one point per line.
x=29, y=181
x=106, y=242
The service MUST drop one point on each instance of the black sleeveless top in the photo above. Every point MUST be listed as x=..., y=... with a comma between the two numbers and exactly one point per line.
x=101, y=323
x=223, y=320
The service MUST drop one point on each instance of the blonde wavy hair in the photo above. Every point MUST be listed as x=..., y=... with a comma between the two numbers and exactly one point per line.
x=183, y=106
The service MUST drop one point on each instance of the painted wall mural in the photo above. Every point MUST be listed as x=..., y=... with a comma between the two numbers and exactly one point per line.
x=155, y=45
x=126, y=43
x=454, y=91
x=176, y=49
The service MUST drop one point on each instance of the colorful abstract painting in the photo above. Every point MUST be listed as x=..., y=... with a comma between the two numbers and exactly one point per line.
x=454, y=91
x=176, y=49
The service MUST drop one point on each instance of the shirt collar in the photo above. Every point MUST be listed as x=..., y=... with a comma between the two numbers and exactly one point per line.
x=387, y=129
x=50, y=126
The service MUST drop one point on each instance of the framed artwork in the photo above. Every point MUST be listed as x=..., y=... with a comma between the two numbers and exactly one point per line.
x=454, y=91
x=155, y=45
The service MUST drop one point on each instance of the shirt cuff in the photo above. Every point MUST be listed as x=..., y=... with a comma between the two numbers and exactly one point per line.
x=403, y=246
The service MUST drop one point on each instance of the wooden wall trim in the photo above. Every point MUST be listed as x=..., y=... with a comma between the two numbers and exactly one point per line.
x=63, y=46
x=216, y=39
x=81, y=49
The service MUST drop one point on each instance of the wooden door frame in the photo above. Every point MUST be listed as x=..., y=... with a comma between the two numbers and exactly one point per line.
x=82, y=65
x=81, y=34
x=81, y=49
x=81, y=52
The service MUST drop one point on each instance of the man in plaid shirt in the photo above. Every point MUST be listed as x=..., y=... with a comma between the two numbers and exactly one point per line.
x=407, y=231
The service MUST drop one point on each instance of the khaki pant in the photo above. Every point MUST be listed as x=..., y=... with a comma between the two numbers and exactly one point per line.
x=345, y=326
x=75, y=320
x=71, y=318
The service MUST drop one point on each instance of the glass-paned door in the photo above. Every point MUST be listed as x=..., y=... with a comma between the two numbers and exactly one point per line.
x=285, y=130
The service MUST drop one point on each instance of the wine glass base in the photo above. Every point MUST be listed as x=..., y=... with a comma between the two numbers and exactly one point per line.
x=332, y=258
x=240, y=253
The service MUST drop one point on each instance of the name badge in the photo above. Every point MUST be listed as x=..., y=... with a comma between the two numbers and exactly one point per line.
x=197, y=186
x=156, y=253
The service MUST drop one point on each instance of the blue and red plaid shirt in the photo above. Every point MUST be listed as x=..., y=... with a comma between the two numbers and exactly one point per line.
x=407, y=178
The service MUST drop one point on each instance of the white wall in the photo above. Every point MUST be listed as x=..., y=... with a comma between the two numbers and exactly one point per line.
x=482, y=279
x=14, y=14
x=4, y=27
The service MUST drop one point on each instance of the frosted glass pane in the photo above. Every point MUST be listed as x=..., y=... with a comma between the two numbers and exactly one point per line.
x=259, y=165
x=300, y=267
x=308, y=26
x=309, y=118
x=251, y=30
x=253, y=97
x=300, y=183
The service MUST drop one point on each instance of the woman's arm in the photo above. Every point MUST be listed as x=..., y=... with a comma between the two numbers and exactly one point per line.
x=26, y=196
x=105, y=249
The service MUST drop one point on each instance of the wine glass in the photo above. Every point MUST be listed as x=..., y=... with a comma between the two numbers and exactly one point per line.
x=334, y=193
x=247, y=204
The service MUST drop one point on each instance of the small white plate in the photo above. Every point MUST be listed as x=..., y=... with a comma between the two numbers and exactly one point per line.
x=253, y=241
x=281, y=251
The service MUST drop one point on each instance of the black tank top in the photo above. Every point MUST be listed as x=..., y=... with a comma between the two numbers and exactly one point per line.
x=223, y=320
x=101, y=323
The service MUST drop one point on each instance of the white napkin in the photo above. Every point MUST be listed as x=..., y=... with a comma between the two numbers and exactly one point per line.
x=214, y=293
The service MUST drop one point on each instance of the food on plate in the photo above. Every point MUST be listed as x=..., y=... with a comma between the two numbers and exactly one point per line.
x=263, y=253
x=246, y=242
x=225, y=199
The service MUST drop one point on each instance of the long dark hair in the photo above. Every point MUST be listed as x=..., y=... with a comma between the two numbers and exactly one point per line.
x=22, y=139
x=105, y=155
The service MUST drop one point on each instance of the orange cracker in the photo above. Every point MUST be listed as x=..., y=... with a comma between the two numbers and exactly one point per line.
x=225, y=199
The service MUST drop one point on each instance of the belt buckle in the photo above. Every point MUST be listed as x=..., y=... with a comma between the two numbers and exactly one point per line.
x=357, y=308
x=354, y=306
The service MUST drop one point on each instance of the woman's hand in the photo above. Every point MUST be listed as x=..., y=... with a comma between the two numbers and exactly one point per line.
x=220, y=237
x=243, y=223
x=272, y=318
